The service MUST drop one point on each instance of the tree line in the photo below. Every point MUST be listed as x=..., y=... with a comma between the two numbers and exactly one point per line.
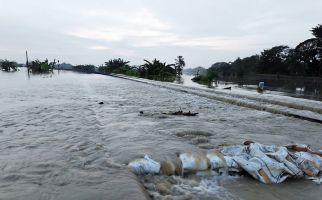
x=303, y=60
x=154, y=70
x=34, y=67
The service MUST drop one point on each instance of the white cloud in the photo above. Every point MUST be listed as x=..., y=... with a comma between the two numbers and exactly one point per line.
x=103, y=35
x=206, y=30
x=99, y=48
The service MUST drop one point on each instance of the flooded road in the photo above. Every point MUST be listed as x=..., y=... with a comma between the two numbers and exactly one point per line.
x=57, y=142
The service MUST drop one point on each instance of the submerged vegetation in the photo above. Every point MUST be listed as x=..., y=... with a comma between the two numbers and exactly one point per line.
x=41, y=67
x=8, y=66
x=206, y=79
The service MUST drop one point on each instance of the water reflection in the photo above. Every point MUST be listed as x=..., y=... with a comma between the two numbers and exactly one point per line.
x=308, y=88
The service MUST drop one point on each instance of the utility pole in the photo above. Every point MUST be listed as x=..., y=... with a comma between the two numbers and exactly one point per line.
x=27, y=62
x=27, y=58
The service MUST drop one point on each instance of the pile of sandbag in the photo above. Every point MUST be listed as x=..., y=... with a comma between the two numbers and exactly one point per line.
x=266, y=163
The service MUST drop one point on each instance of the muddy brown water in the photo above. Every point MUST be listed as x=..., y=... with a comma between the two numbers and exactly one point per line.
x=57, y=142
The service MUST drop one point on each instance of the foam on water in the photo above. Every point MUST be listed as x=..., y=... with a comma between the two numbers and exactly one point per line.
x=205, y=185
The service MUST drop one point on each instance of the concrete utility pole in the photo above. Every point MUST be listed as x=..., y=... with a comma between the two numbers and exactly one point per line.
x=27, y=64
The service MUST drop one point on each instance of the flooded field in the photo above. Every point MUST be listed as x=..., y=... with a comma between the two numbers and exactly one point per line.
x=299, y=87
x=58, y=142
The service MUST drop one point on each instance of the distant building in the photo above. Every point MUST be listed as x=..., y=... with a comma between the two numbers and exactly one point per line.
x=64, y=66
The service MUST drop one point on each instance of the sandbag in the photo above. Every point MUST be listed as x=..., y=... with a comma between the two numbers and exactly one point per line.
x=171, y=167
x=310, y=164
x=265, y=163
x=217, y=160
x=262, y=167
x=194, y=162
x=222, y=163
x=144, y=166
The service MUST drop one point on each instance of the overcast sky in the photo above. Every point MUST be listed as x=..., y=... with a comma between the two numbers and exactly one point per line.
x=203, y=31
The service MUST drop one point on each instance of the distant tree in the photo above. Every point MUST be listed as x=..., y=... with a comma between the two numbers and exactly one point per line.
x=295, y=67
x=179, y=65
x=223, y=69
x=273, y=61
x=245, y=66
x=305, y=59
x=157, y=70
x=84, y=68
x=117, y=66
x=309, y=52
x=8, y=66
x=317, y=31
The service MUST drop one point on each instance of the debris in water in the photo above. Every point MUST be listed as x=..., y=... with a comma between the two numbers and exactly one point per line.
x=180, y=112
x=101, y=103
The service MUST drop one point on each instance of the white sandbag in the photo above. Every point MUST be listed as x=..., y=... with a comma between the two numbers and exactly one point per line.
x=216, y=160
x=232, y=164
x=282, y=155
x=310, y=164
x=144, y=166
x=222, y=163
x=262, y=167
x=266, y=163
x=194, y=162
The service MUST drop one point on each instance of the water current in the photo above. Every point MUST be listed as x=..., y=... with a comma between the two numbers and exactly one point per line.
x=58, y=142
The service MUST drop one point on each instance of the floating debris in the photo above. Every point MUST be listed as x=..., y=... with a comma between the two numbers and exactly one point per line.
x=190, y=114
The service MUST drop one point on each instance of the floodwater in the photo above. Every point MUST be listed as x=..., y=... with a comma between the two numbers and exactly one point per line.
x=299, y=87
x=294, y=87
x=57, y=142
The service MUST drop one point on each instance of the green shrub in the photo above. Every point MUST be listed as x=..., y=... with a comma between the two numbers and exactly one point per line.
x=8, y=66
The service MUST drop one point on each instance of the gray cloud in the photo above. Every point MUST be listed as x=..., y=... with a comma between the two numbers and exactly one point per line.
x=203, y=31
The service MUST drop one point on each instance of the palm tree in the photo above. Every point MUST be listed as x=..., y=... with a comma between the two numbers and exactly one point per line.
x=118, y=66
x=180, y=64
x=317, y=31
x=157, y=70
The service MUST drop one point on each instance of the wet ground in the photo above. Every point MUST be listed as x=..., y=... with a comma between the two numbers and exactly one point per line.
x=57, y=142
